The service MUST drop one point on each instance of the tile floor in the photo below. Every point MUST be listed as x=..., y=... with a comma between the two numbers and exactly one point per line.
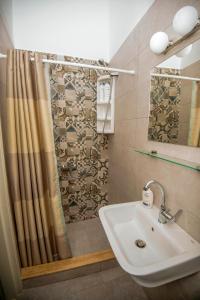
x=86, y=237
x=112, y=284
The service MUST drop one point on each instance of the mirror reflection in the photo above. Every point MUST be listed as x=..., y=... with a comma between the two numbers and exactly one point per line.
x=175, y=99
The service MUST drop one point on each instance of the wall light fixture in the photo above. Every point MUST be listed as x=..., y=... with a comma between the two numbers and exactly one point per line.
x=185, y=23
x=185, y=20
x=159, y=42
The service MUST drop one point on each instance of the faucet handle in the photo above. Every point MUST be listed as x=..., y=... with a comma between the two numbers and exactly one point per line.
x=177, y=214
x=166, y=217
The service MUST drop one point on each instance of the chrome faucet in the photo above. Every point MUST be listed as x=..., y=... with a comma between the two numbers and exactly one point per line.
x=164, y=215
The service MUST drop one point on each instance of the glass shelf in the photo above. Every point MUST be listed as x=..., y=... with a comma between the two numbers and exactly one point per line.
x=173, y=160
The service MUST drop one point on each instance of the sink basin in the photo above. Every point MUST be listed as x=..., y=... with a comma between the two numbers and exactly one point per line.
x=164, y=252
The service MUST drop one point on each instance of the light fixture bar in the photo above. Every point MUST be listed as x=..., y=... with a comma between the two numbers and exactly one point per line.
x=176, y=76
x=183, y=38
x=186, y=22
x=68, y=63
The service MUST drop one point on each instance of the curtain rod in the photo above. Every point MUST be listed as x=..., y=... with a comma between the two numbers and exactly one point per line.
x=176, y=76
x=68, y=63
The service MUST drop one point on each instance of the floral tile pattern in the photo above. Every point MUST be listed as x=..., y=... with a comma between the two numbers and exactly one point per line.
x=164, y=107
x=81, y=153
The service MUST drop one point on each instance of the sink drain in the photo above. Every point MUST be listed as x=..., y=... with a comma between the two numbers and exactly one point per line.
x=140, y=243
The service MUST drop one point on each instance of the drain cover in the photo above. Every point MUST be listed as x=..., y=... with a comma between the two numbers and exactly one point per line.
x=140, y=243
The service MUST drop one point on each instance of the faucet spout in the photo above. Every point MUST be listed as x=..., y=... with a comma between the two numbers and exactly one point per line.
x=164, y=215
x=149, y=183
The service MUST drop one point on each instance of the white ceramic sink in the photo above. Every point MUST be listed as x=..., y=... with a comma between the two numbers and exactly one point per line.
x=170, y=253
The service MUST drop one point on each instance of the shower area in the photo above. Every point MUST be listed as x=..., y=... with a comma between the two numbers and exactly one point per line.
x=57, y=159
x=81, y=152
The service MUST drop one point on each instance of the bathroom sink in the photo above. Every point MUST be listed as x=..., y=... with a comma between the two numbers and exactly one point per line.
x=152, y=253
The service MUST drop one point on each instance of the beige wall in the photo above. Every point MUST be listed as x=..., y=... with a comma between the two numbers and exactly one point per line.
x=5, y=44
x=184, y=113
x=186, y=98
x=132, y=170
x=128, y=169
x=9, y=266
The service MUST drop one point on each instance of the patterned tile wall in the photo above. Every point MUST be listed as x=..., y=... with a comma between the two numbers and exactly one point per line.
x=81, y=153
x=164, y=107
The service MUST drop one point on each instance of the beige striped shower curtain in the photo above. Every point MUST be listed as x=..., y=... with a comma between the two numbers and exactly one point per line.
x=31, y=163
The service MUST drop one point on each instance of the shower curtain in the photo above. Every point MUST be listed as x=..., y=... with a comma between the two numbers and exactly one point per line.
x=194, y=132
x=31, y=164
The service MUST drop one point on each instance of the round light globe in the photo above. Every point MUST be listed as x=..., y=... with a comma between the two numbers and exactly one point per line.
x=159, y=42
x=185, y=20
x=185, y=51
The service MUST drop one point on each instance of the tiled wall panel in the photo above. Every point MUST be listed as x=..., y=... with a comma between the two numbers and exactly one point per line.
x=81, y=153
x=165, y=103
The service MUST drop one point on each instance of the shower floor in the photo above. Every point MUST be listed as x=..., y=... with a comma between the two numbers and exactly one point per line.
x=91, y=252
x=86, y=237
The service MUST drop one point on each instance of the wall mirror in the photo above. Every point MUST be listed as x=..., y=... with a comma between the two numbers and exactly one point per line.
x=175, y=99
